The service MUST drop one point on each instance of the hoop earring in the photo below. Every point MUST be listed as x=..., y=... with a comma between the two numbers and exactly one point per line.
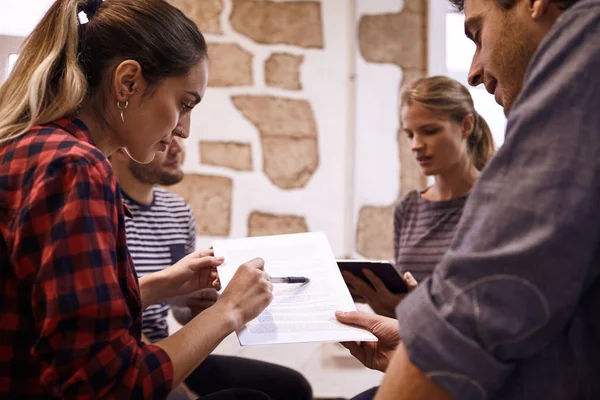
x=131, y=157
x=122, y=108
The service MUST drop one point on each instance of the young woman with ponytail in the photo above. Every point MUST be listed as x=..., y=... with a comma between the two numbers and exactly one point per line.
x=452, y=143
x=70, y=303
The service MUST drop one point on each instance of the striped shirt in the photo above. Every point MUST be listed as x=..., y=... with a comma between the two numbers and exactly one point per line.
x=423, y=231
x=158, y=236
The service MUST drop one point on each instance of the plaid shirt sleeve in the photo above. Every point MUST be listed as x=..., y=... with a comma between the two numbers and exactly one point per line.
x=82, y=296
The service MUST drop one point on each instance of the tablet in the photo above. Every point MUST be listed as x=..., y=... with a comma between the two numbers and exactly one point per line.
x=383, y=269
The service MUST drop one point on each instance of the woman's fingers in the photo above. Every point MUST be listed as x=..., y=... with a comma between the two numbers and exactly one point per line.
x=357, y=283
x=411, y=282
x=376, y=281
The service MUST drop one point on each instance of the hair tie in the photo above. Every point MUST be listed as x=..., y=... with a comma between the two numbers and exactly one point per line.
x=89, y=8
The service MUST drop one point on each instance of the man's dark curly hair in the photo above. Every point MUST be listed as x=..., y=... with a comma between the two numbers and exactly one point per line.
x=459, y=5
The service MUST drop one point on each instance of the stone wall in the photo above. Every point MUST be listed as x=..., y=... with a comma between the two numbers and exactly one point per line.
x=271, y=144
x=270, y=137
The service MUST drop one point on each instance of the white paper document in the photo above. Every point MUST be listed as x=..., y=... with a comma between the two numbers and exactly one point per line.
x=299, y=312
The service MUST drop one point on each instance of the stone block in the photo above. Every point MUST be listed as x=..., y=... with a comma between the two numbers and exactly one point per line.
x=265, y=224
x=277, y=116
x=398, y=38
x=295, y=23
x=282, y=70
x=375, y=232
x=289, y=162
x=210, y=198
x=230, y=65
x=205, y=13
x=236, y=156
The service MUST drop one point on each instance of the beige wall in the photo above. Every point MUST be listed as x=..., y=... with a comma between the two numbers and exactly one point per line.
x=8, y=45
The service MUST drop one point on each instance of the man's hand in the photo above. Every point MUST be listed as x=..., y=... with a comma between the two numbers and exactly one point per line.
x=202, y=300
x=380, y=299
x=374, y=355
x=194, y=272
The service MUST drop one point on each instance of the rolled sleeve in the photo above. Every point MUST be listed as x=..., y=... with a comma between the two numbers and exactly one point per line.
x=452, y=359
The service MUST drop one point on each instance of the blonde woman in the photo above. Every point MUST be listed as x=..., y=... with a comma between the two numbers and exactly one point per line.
x=70, y=301
x=452, y=143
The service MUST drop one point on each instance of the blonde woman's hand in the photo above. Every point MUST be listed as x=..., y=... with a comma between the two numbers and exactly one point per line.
x=411, y=282
x=376, y=294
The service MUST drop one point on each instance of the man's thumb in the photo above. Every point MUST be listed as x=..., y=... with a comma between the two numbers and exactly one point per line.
x=353, y=318
x=196, y=264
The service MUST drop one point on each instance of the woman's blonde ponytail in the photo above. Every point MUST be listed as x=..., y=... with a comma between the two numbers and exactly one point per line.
x=481, y=143
x=47, y=82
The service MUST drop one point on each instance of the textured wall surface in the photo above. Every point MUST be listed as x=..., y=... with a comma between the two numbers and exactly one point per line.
x=288, y=134
x=206, y=13
x=236, y=156
x=264, y=224
x=282, y=70
x=268, y=22
x=230, y=65
x=273, y=140
x=210, y=198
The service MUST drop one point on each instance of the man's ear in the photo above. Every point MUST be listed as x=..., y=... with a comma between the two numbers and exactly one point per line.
x=539, y=8
x=128, y=80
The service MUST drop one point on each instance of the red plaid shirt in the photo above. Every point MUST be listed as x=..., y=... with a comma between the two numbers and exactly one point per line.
x=70, y=311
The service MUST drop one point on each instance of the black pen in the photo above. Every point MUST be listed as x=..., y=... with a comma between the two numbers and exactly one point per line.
x=290, y=279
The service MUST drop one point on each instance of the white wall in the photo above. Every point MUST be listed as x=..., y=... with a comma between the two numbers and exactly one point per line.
x=459, y=55
x=8, y=45
x=19, y=17
x=436, y=29
x=376, y=159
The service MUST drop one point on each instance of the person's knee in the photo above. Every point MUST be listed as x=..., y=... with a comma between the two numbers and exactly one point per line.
x=299, y=387
x=237, y=394
x=367, y=394
x=244, y=394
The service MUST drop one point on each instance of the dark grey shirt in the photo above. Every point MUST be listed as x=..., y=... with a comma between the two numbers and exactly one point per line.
x=513, y=309
x=423, y=231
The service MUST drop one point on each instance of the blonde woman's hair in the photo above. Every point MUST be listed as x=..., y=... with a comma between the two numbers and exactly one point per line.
x=446, y=95
x=63, y=62
x=47, y=82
